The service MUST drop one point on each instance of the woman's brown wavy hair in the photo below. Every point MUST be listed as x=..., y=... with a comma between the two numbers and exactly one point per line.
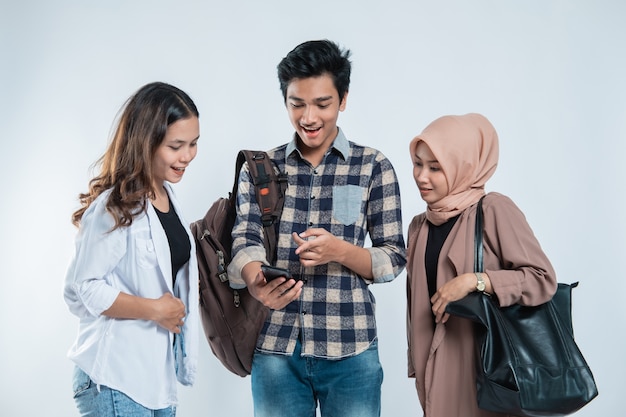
x=126, y=166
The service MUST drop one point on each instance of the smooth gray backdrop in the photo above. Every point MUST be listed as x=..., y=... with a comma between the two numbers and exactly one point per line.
x=549, y=74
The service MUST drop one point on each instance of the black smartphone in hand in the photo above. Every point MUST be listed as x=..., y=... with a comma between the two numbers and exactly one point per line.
x=272, y=272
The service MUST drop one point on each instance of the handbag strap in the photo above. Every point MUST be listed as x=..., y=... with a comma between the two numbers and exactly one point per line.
x=478, y=237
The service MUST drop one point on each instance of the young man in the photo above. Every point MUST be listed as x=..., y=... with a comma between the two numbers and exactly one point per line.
x=319, y=342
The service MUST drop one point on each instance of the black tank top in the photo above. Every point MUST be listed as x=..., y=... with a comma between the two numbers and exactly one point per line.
x=180, y=247
x=436, y=236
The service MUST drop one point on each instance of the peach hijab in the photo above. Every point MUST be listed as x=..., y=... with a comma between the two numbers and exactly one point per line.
x=467, y=150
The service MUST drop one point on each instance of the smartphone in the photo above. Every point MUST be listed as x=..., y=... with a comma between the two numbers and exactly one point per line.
x=272, y=272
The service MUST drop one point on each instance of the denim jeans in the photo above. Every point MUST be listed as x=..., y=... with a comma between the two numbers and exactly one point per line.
x=292, y=386
x=107, y=402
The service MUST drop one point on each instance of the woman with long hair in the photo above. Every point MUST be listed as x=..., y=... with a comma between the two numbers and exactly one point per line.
x=133, y=281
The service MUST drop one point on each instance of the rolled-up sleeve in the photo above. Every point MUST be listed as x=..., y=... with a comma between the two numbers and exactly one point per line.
x=247, y=232
x=87, y=290
x=388, y=249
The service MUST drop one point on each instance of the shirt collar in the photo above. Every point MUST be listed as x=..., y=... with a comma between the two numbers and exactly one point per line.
x=340, y=144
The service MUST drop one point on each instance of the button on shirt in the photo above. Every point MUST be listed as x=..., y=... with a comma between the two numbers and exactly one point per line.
x=353, y=192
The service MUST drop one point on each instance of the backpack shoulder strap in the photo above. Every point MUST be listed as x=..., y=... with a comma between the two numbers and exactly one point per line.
x=242, y=157
x=270, y=191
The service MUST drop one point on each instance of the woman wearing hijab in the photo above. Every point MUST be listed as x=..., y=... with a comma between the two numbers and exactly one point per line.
x=452, y=160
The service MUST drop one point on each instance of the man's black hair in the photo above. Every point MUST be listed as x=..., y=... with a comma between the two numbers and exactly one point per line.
x=313, y=59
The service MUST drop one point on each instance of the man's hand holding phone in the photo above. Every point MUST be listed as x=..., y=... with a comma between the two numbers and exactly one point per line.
x=275, y=295
x=272, y=272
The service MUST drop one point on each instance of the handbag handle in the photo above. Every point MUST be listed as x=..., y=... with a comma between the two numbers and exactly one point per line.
x=478, y=237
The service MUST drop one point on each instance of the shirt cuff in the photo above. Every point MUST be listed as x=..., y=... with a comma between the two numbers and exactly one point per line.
x=241, y=259
x=97, y=297
x=382, y=270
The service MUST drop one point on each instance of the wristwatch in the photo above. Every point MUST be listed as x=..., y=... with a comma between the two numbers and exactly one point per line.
x=480, y=282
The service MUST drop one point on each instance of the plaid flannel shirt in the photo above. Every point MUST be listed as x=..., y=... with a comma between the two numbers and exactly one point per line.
x=353, y=192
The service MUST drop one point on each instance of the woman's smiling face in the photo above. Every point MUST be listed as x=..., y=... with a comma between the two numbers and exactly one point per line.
x=428, y=175
x=175, y=153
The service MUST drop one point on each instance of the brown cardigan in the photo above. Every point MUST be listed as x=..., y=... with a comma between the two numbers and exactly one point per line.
x=442, y=361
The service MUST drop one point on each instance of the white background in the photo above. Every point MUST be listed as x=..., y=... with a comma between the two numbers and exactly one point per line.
x=548, y=74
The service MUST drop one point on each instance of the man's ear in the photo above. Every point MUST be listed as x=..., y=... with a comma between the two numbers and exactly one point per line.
x=342, y=105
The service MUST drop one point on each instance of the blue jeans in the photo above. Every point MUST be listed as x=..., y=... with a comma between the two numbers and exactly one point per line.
x=291, y=386
x=107, y=402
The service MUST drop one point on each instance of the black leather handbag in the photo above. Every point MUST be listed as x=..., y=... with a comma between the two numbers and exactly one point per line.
x=529, y=363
